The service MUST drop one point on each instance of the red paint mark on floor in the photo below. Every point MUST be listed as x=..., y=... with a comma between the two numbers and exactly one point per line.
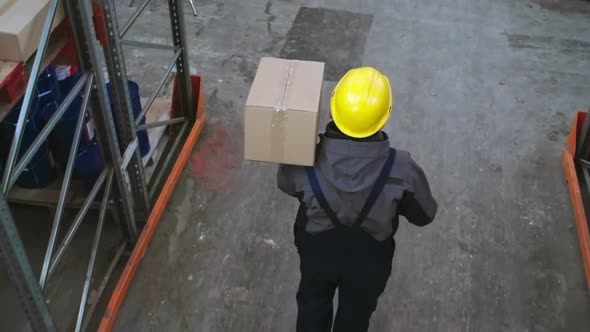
x=216, y=160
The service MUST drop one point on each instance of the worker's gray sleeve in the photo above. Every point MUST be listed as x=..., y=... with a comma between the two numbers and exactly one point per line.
x=286, y=180
x=417, y=203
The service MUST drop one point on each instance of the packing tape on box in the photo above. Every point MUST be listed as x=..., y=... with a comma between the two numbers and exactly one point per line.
x=280, y=117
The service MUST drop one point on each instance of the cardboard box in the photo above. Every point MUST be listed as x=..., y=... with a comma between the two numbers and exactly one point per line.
x=4, y=4
x=21, y=24
x=282, y=112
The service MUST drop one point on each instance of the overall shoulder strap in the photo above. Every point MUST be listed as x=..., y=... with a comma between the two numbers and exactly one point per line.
x=377, y=188
x=319, y=195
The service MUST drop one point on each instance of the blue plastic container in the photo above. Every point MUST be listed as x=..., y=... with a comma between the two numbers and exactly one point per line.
x=67, y=84
x=40, y=171
x=62, y=136
x=142, y=135
x=48, y=90
x=89, y=164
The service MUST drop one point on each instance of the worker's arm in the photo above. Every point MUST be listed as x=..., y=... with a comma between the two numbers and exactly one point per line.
x=417, y=203
x=285, y=179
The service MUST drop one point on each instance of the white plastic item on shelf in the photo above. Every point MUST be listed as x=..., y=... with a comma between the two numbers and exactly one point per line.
x=63, y=71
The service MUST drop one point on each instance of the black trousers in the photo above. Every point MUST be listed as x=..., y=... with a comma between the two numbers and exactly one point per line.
x=350, y=261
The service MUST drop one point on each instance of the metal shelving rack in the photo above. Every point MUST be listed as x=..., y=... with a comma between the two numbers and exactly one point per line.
x=127, y=194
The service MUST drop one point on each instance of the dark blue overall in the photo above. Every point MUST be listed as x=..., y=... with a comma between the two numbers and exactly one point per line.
x=345, y=258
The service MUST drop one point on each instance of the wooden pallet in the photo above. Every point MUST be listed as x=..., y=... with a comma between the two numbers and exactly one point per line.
x=60, y=50
x=14, y=75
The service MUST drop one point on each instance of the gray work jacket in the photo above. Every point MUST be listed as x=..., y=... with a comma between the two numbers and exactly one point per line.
x=347, y=170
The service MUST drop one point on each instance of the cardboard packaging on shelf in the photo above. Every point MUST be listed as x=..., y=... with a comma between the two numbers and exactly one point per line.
x=282, y=112
x=21, y=24
x=4, y=4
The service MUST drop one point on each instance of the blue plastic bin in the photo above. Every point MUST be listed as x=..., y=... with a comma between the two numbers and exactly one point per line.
x=89, y=164
x=62, y=136
x=48, y=90
x=142, y=135
x=40, y=171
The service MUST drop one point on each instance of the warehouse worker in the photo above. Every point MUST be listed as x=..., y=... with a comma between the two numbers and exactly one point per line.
x=350, y=202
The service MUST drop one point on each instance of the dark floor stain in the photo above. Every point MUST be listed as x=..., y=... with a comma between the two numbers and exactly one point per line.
x=200, y=30
x=553, y=135
x=564, y=45
x=131, y=323
x=204, y=2
x=557, y=127
x=466, y=247
x=274, y=46
x=269, y=21
x=576, y=6
x=539, y=161
x=269, y=18
x=245, y=67
x=495, y=168
x=247, y=70
x=561, y=123
x=335, y=37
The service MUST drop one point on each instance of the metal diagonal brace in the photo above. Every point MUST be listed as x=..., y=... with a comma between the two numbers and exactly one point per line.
x=93, y=252
x=65, y=185
x=28, y=98
x=80, y=12
x=125, y=127
x=19, y=269
x=77, y=221
x=42, y=136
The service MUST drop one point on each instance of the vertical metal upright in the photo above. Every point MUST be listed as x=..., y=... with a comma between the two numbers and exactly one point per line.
x=185, y=91
x=80, y=12
x=92, y=84
x=124, y=113
x=130, y=124
x=182, y=65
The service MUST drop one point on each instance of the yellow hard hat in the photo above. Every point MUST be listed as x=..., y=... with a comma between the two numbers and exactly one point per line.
x=361, y=102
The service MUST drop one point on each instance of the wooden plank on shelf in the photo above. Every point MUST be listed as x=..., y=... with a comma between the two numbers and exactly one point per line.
x=57, y=43
x=49, y=195
x=5, y=4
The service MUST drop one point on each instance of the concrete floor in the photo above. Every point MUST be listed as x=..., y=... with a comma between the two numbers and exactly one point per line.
x=485, y=91
x=64, y=287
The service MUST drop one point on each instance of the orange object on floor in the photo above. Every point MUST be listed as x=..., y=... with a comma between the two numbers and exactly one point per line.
x=571, y=178
x=118, y=296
